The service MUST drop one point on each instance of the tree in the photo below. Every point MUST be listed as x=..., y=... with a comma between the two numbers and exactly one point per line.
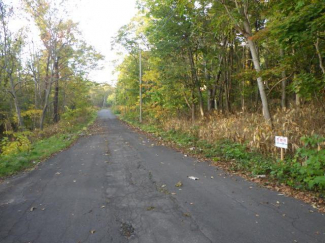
x=11, y=48
x=66, y=56
x=242, y=14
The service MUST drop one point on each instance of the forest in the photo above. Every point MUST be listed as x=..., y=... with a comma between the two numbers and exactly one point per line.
x=45, y=92
x=224, y=77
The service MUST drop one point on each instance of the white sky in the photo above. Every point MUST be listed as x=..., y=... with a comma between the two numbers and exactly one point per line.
x=99, y=21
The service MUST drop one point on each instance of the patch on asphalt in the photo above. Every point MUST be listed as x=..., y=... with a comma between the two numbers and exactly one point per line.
x=127, y=230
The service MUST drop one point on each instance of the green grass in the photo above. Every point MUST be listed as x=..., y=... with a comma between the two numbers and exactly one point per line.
x=42, y=149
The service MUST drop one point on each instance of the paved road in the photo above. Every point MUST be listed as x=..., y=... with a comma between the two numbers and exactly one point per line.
x=118, y=186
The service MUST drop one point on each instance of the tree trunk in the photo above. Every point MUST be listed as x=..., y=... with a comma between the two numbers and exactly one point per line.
x=49, y=82
x=195, y=81
x=193, y=108
x=46, y=100
x=266, y=112
x=216, y=82
x=200, y=101
x=16, y=103
x=284, y=85
x=56, y=92
x=247, y=32
x=319, y=54
x=209, y=90
x=210, y=104
x=226, y=80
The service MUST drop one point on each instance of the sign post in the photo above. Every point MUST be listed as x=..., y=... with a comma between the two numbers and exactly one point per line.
x=281, y=142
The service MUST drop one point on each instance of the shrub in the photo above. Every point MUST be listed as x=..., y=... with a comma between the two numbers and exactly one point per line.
x=312, y=161
x=15, y=143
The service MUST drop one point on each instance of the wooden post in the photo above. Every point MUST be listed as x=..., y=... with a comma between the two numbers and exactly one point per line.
x=282, y=154
x=281, y=142
x=140, y=89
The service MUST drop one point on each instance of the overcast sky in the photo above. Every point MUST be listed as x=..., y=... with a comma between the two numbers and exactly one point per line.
x=99, y=21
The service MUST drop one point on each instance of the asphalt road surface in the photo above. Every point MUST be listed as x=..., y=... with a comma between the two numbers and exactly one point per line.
x=117, y=186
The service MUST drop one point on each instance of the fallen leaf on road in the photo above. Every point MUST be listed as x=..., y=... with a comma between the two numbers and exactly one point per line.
x=187, y=214
x=173, y=193
x=257, y=215
x=92, y=231
x=103, y=206
x=163, y=186
x=150, y=208
x=43, y=209
x=179, y=184
x=212, y=177
x=74, y=181
x=58, y=173
x=193, y=178
x=32, y=209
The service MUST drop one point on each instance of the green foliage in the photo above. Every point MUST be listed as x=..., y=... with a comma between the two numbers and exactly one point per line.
x=299, y=21
x=312, y=171
x=307, y=85
x=307, y=169
x=15, y=143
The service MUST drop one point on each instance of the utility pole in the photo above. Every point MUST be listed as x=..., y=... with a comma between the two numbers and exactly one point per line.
x=140, y=91
x=104, y=102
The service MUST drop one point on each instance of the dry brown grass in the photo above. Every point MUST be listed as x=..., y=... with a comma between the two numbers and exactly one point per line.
x=251, y=128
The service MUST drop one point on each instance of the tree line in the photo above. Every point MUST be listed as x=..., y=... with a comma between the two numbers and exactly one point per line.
x=42, y=76
x=226, y=55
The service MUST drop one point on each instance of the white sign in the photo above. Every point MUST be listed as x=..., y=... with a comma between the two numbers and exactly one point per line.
x=281, y=142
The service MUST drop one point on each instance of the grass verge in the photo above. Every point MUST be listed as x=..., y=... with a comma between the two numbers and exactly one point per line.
x=42, y=149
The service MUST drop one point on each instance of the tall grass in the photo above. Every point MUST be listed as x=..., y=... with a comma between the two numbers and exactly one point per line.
x=250, y=128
